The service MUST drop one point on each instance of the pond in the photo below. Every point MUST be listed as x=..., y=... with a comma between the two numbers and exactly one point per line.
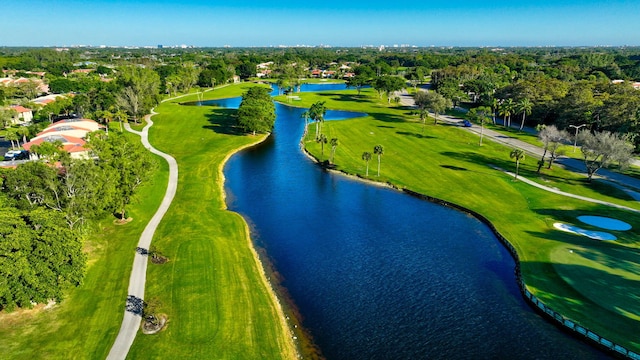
x=377, y=274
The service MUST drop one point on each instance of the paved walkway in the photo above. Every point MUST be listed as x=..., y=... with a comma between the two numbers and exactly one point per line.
x=624, y=182
x=559, y=192
x=133, y=310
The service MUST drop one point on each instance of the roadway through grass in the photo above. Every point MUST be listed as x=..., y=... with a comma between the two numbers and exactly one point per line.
x=592, y=282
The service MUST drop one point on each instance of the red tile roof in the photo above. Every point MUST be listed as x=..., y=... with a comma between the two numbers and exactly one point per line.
x=20, y=109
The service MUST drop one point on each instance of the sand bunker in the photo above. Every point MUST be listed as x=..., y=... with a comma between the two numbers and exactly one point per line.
x=596, y=235
x=605, y=222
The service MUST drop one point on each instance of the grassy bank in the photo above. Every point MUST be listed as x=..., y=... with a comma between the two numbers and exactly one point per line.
x=592, y=282
x=212, y=289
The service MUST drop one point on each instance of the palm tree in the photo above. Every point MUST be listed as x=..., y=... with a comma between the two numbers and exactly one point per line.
x=121, y=115
x=305, y=116
x=316, y=113
x=524, y=107
x=12, y=136
x=23, y=131
x=495, y=105
x=480, y=114
x=517, y=155
x=378, y=150
x=322, y=139
x=107, y=116
x=366, y=156
x=506, y=109
x=334, y=145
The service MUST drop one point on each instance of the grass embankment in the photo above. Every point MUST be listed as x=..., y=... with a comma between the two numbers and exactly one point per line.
x=86, y=323
x=212, y=289
x=592, y=282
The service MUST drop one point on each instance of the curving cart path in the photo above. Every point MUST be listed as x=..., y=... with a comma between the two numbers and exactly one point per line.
x=133, y=311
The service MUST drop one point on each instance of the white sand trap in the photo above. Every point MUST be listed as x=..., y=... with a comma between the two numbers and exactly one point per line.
x=605, y=222
x=596, y=235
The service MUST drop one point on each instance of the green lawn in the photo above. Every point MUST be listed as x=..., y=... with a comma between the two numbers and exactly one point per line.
x=212, y=288
x=596, y=284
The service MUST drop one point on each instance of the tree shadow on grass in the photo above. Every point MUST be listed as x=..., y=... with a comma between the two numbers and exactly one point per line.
x=223, y=121
x=584, y=284
x=345, y=97
x=416, y=135
x=477, y=158
x=387, y=117
x=452, y=167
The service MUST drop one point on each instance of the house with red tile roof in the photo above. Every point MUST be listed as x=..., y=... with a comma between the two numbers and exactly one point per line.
x=24, y=115
x=70, y=132
x=73, y=145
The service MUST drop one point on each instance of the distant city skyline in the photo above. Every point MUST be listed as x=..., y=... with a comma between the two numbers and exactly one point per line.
x=250, y=23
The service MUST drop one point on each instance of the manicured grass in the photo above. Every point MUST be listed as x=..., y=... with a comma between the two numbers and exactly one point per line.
x=212, y=289
x=596, y=286
x=86, y=323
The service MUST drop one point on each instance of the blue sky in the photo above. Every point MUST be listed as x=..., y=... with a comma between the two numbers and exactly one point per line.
x=330, y=22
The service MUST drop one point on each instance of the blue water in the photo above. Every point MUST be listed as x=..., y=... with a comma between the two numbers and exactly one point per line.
x=377, y=274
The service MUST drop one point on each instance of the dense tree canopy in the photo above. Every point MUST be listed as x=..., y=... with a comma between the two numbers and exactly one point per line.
x=257, y=113
x=40, y=256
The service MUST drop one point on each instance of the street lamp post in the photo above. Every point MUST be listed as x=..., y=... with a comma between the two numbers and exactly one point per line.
x=575, y=141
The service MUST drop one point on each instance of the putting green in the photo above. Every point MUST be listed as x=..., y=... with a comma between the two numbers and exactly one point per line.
x=605, y=222
x=608, y=276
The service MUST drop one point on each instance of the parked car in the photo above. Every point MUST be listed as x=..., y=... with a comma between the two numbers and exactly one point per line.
x=16, y=155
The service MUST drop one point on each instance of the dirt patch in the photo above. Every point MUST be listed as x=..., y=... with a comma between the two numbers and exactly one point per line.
x=122, y=221
x=159, y=259
x=154, y=324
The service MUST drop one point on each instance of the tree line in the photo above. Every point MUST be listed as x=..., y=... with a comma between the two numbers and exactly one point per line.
x=47, y=207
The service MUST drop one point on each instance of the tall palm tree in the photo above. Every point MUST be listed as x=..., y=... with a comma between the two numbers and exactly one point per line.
x=322, y=139
x=378, y=150
x=334, y=145
x=506, y=109
x=517, y=155
x=107, y=116
x=12, y=136
x=305, y=116
x=495, y=105
x=524, y=107
x=23, y=131
x=121, y=115
x=366, y=156
x=316, y=113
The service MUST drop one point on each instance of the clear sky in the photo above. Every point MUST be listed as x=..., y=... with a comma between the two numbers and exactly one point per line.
x=328, y=22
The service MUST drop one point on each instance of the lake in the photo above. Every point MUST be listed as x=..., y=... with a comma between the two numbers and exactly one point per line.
x=377, y=274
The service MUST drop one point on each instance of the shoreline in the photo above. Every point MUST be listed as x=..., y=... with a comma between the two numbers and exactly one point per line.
x=564, y=323
x=298, y=339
